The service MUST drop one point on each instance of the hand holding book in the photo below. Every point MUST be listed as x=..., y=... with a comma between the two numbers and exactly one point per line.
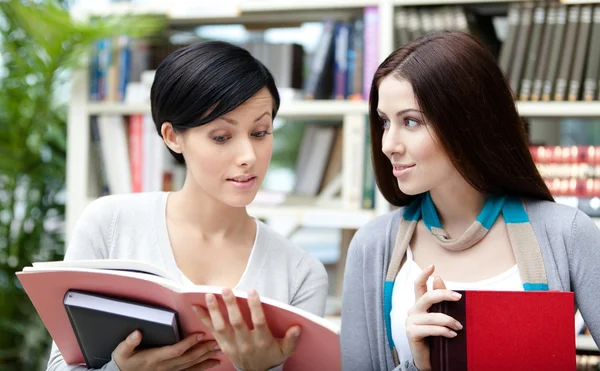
x=420, y=324
x=247, y=348
x=190, y=352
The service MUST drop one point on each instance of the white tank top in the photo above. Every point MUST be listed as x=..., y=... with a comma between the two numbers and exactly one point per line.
x=403, y=296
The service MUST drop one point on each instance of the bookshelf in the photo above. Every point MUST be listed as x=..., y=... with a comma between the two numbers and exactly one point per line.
x=333, y=108
x=315, y=109
x=350, y=113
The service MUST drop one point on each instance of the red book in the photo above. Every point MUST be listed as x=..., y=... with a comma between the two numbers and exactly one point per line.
x=47, y=283
x=508, y=330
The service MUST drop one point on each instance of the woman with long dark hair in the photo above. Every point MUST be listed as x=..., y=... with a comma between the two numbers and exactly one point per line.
x=450, y=150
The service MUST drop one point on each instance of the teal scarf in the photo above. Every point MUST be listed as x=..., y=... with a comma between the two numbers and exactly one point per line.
x=524, y=244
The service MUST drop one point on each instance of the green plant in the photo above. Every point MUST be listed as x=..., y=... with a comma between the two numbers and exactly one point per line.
x=40, y=44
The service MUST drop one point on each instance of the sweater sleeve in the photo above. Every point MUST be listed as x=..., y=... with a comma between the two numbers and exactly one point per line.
x=360, y=351
x=356, y=350
x=584, y=259
x=91, y=239
x=312, y=285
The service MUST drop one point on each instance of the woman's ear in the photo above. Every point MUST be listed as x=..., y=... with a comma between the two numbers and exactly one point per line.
x=172, y=140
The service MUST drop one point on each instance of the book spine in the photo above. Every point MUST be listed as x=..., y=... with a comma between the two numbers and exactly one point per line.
x=371, y=41
x=591, y=75
x=507, y=50
x=450, y=354
x=567, y=53
x=539, y=19
x=538, y=82
x=581, y=51
x=555, y=53
x=521, y=47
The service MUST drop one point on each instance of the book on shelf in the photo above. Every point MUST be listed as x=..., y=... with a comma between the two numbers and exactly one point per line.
x=507, y=330
x=73, y=298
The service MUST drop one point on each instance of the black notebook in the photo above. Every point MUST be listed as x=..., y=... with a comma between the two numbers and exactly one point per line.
x=100, y=323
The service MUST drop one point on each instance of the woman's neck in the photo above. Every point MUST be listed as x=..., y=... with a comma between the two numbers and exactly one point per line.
x=457, y=205
x=213, y=219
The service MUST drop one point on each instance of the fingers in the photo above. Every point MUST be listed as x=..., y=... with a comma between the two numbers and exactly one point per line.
x=176, y=350
x=204, y=365
x=432, y=297
x=126, y=348
x=235, y=316
x=204, y=317
x=218, y=323
x=258, y=315
x=421, y=282
x=194, y=356
x=435, y=319
x=438, y=283
x=290, y=340
x=420, y=332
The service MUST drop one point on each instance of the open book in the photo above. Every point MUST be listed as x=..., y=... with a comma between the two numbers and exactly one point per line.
x=136, y=282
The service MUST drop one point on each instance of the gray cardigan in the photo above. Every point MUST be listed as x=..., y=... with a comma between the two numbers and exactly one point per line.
x=569, y=241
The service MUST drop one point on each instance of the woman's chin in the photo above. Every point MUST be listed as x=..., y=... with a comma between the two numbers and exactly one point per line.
x=239, y=200
x=410, y=189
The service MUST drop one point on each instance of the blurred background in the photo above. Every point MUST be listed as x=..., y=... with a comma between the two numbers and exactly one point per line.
x=75, y=125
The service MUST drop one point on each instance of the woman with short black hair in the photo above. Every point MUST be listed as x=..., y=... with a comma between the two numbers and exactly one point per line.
x=213, y=105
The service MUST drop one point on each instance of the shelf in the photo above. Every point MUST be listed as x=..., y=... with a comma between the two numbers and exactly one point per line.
x=447, y=2
x=287, y=5
x=340, y=108
x=233, y=12
x=572, y=2
x=290, y=109
x=559, y=109
x=586, y=343
x=308, y=216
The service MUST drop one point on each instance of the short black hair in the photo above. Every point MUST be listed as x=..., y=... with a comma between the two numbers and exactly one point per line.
x=201, y=82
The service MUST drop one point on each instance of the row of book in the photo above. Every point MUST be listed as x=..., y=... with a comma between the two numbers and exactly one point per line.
x=340, y=67
x=552, y=51
x=566, y=154
x=413, y=22
x=557, y=163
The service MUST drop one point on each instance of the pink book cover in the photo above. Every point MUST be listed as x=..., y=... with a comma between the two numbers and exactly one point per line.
x=318, y=347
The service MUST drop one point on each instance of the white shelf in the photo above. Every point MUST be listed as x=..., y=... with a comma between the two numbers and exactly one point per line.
x=309, y=216
x=313, y=216
x=341, y=108
x=447, y=2
x=287, y=5
x=289, y=109
x=181, y=13
x=586, y=342
x=559, y=109
x=571, y=2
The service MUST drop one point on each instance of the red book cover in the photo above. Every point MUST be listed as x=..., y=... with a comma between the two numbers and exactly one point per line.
x=508, y=330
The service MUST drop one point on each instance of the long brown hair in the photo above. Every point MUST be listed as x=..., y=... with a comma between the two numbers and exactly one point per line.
x=469, y=105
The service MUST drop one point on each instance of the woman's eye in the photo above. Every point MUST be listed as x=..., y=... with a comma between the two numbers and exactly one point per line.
x=385, y=123
x=411, y=123
x=220, y=138
x=259, y=134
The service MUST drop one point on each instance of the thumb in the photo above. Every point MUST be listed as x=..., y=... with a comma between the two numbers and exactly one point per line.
x=289, y=342
x=126, y=348
x=438, y=283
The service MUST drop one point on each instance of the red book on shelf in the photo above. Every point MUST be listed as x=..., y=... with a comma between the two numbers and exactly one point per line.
x=508, y=330
x=126, y=283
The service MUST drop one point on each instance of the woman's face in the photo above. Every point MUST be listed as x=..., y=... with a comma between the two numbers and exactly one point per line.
x=228, y=157
x=419, y=163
